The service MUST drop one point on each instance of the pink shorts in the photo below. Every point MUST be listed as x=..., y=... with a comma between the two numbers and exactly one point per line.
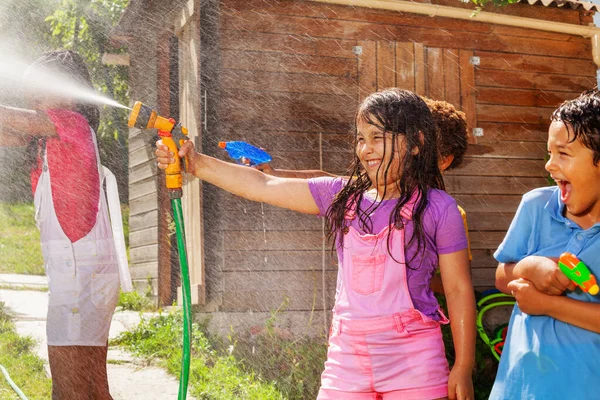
x=399, y=356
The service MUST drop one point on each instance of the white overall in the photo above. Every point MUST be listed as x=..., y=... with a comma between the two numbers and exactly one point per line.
x=83, y=277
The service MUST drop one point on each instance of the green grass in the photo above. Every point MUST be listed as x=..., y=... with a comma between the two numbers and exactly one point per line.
x=20, y=250
x=25, y=368
x=214, y=375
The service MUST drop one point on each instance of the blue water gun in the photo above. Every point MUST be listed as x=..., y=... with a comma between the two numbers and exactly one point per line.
x=245, y=153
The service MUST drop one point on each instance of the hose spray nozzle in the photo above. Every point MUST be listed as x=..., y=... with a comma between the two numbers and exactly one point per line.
x=172, y=133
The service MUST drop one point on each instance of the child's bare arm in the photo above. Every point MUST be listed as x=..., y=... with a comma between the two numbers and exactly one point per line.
x=290, y=173
x=543, y=272
x=22, y=122
x=458, y=289
x=583, y=314
x=249, y=183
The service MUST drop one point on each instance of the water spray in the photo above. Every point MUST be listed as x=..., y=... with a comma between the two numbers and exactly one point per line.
x=173, y=136
x=17, y=74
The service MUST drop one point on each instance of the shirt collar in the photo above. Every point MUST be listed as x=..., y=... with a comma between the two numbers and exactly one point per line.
x=556, y=208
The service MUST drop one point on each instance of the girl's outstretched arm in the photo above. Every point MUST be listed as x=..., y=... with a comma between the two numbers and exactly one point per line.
x=460, y=297
x=17, y=124
x=242, y=181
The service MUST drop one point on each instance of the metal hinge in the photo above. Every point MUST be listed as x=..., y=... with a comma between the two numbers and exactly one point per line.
x=357, y=50
x=477, y=132
x=475, y=60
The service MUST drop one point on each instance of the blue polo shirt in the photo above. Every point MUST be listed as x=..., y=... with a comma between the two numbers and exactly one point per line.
x=544, y=358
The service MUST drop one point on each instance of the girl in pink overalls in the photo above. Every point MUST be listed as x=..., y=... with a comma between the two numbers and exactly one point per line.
x=392, y=225
x=84, y=252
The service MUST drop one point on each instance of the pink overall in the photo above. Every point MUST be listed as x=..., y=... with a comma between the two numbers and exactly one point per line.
x=380, y=346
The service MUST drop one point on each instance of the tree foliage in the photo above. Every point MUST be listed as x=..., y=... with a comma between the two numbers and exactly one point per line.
x=84, y=26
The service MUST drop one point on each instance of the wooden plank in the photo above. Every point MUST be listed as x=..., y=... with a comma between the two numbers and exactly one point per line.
x=143, y=220
x=330, y=12
x=386, y=65
x=242, y=281
x=494, y=132
x=483, y=277
x=485, y=240
x=492, y=184
x=142, y=172
x=405, y=66
x=249, y=240
x=264, y=81
x=144, y=254
x=513, y=114
x=509, y=150
x=553, y=14
x=523, y=97
x=468, y=94
x=142, y=154
x=256, y=106
x=452, y=76
x=531, y=63
x=143, y=205
x=143, y=271
x=500, y=167
x=367, y=69
x=267, y=301
x=279, y=260
x=484, y=203
x=489, y=221
x=326, y=13
x=571, y=47
x=535, y=80
x=277, y=62
x=420, y=70
x=434, y=66
x=142, y=188
x=315, y=123
x=144, y=237
x=235, y=39
x=278, y=220
x=483, y=259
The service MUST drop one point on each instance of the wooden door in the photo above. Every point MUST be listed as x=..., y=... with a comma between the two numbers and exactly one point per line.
x=438, y=73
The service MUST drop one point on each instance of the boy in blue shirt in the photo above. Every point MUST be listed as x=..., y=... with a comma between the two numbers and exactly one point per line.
x=552, y=348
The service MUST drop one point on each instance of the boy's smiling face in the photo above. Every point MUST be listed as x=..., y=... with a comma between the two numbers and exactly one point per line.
x=571, y=165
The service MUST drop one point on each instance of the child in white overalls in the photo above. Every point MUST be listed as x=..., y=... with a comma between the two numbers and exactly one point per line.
x=83, y=247
x=392, y=225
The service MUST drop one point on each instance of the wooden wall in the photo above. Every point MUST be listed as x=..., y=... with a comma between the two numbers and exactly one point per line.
x=289, y=80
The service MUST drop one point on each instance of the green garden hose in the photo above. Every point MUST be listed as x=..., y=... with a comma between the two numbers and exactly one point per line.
x=186, y=290
x=173, y=135
x=11, y=383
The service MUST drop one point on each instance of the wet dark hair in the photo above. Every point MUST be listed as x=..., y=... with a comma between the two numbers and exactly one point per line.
x=581, y=116
x=451, y=129
x=71, y=65
x=401, y=113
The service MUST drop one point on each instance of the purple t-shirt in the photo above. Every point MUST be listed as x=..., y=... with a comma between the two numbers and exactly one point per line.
x=442, y=223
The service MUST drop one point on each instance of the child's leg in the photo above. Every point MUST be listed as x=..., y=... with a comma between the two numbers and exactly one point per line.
x=69, y=373
x=99, y=378
x=78, y=372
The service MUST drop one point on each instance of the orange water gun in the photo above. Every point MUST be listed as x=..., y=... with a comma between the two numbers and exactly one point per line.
x=578, y=272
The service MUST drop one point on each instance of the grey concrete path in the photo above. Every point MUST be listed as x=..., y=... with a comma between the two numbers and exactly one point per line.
x=129, y=379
